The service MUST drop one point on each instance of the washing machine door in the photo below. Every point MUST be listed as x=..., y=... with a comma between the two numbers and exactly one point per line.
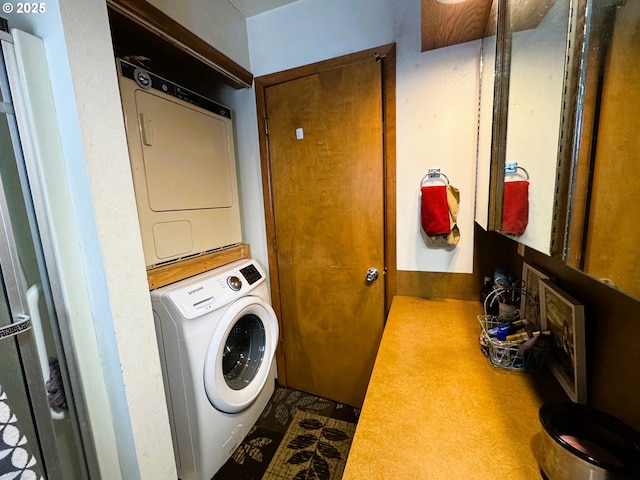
x=240, y=354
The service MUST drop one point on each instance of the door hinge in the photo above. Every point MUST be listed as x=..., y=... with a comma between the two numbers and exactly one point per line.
x=266, y=126
x=275, y=244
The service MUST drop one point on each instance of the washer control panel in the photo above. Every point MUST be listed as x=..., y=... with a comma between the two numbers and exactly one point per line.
x=148, y=80
x=234, y=283
x=212, y=290
x=251, y=274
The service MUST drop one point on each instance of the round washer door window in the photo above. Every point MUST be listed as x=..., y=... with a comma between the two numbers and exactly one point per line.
x=240, y=354
x=243, y=351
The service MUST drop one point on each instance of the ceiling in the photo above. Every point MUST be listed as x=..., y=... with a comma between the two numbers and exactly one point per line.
x=443, y=23
x=249, y=8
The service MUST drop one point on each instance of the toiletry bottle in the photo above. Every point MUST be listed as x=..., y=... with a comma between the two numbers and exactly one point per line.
x=519, y=337
x=501, y=345
x=501, y=278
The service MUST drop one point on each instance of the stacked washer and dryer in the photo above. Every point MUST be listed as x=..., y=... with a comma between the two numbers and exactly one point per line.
x=216, y=331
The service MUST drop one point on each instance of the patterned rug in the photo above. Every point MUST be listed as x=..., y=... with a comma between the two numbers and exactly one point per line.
x=298, y=437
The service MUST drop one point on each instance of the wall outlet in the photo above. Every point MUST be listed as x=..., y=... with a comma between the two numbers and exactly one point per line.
x=521, y=249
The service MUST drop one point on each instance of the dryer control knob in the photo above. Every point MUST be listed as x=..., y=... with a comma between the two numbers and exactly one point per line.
x=234, y=283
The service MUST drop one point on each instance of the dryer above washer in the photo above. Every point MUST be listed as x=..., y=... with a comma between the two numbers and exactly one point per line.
x=183, y=167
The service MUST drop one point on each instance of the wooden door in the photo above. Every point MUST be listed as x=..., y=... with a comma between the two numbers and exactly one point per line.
x=327, y=181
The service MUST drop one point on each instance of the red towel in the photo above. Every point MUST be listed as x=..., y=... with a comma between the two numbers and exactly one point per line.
x=515, y=210
x=435, y=211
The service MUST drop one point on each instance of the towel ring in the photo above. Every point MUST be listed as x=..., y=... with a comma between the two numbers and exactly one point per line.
x=433, y=173
x=513, y=167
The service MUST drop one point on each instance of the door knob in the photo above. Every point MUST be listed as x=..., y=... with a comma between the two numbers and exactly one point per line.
x=372, y=275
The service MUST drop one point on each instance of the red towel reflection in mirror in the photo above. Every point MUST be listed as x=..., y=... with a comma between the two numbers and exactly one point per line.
x=515, y=210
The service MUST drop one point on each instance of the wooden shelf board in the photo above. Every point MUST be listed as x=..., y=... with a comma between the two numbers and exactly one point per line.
x=173, y=272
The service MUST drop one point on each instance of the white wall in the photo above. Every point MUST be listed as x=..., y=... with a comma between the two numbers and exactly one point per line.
x=115, y=263
x=243, y=104
x=436, y=103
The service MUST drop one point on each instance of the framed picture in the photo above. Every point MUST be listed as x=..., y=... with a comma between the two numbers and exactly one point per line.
x=530, y=303
x=564, y=317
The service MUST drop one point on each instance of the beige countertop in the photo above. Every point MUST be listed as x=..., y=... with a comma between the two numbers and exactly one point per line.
x=436, y=409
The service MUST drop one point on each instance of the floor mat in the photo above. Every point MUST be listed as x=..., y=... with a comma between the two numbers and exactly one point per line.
x=299, y=436
x=314, y=447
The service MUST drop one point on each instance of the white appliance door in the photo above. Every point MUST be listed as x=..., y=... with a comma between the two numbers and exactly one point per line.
x=240, y=354
x=187, y=160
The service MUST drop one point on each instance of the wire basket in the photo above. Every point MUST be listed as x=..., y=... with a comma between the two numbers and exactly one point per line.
x=510, y=355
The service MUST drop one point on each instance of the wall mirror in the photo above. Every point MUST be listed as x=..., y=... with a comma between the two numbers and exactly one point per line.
x=533, y=58
x=602, y=234
x=490, y=149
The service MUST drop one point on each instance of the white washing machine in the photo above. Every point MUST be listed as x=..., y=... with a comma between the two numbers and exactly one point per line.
x=217, y=336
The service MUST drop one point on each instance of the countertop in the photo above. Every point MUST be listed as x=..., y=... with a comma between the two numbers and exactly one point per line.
x=436, y=409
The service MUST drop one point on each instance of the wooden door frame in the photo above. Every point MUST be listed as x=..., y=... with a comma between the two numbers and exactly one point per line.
x=385, y=54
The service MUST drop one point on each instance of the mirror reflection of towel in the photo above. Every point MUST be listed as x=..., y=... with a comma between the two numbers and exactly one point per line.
x=515, y=210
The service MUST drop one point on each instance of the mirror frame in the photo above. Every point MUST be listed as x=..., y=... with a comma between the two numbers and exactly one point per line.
x=573, y=101
x=501, y=67
x=589, y=63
